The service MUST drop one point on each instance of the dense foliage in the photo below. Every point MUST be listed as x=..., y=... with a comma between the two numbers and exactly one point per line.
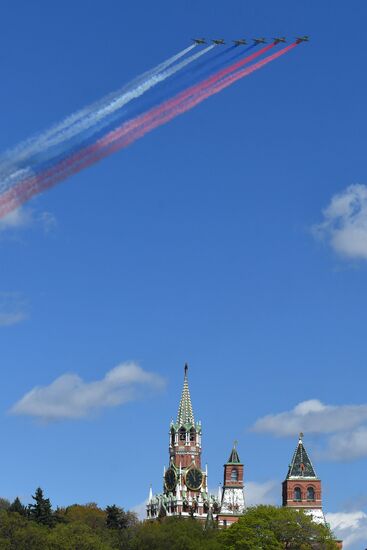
x=88, y=527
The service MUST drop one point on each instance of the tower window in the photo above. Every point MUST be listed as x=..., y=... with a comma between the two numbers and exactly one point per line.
x=192, y=435
x=310, y=493
x=234, y=474
x=297, y=495
x=182, y=434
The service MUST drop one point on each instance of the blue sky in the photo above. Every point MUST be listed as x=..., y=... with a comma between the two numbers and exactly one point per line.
x=196, y=244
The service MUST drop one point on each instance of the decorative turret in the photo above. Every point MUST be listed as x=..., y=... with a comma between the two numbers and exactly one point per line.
x=233, y=501
x=302, y=487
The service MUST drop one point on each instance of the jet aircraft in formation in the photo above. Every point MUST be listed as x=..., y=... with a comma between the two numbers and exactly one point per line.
x=240, y=42
x=278, y=39
x=259, y=40
x=243, y=42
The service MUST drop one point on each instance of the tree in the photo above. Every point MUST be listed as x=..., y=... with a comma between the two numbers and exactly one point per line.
x=18, y=507
x=117, y=518
x=16, y=532
x=89, y=514
x=113, y=517
x=4, y=504
x=76, y=536
x=41, y=510
x=272, y=528
x=172, y=533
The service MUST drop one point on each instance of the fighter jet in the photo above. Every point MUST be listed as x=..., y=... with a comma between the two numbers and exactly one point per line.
x=259, y=40
x=240, y=42
x=302, y=39
x=199, y=40
x=218, y=41
x=278, y=39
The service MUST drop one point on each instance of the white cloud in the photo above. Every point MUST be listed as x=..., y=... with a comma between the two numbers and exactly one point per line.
x=17, y=219
x=70, y=397
x=25, y=217
x=345, y=427
x=313, y=416
x=261, y=493
x=351, y=527
x=347, y=445
x=141, y=509
x=12, y=309
x=345, y=222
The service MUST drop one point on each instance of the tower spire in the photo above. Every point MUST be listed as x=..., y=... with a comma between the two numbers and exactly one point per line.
x=301, y=465
x=185, y=413
x=233, y=457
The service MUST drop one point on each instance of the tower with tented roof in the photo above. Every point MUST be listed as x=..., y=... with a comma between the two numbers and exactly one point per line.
x=232, y=504
x=185, y=483
x=302, y=487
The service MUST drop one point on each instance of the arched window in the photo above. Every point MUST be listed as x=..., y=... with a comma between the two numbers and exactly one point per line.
x=234, y=474
x=310, y=493
x=297, y=495
x=192, y=434
x=182, y=434
x=172, y=437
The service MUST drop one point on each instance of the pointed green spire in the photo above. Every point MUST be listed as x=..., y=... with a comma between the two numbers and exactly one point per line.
x=301, y=465
x=233, y=457
x=185, y=413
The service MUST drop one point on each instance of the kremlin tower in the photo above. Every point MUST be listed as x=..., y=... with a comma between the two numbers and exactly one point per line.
x=302, y=487
x=185, y=483
x=232, y=504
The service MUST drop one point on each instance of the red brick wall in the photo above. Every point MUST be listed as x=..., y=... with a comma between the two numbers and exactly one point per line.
x=228, y=468
x=289, y=486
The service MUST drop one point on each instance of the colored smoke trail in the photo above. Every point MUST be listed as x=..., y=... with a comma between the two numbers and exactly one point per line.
x=116, y=104
x=88, y=116
x=128, y=133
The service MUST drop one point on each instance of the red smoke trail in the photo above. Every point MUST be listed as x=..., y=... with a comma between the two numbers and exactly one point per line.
x=131, y=131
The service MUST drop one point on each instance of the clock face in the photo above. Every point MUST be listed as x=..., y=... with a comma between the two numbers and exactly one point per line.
x=170, y=479
x=194, y=479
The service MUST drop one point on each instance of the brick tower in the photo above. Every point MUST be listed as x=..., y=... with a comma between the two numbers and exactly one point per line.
x=302, y=487
x=185, y=483
x=233, y=501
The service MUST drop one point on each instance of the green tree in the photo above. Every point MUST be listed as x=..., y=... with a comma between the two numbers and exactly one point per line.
x=4, y=504
x=113, y=517
x=17, y=533
x=18, y=507
x=272, y=528
x=173, y=534
x=76, y=536
x=41, y=510
x=89, y=514
x=117, y=518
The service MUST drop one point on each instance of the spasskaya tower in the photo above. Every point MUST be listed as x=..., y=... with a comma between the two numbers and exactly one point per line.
x=185, y=483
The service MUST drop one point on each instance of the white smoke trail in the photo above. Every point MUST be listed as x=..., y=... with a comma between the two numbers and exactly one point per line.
x=11, y=158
